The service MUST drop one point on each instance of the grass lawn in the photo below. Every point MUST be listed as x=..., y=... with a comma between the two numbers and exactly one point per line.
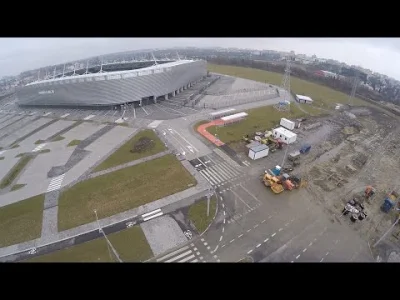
x=259, y=119
x=39, y=142
x=14, y=146
x=131, y=245
x=322, y=96
x=17, y=187
x=20, y=154
x=14, y=172
x=21, y=221
x=124, y=154
x=44, y=151
x=74, y=143
x=198, y=213
x=58, y=138
x=122, y=190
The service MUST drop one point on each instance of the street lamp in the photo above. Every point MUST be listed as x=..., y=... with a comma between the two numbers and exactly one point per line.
x=108, y=242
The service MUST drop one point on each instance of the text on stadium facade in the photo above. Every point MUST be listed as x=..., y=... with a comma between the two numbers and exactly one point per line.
x=46, y=92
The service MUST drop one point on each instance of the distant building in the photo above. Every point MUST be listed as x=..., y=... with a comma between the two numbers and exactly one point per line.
x=304, y=99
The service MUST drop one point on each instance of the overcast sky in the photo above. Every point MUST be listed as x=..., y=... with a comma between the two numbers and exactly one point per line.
x=21, y=54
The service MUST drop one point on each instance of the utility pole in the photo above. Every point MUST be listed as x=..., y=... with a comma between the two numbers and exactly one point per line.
x=108, y=242
x=209, y=195
x=354, y=89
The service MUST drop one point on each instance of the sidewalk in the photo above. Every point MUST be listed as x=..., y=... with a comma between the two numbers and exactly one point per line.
x=189, y=195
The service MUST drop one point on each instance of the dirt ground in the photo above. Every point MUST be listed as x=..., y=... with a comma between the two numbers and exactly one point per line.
x=351, y=150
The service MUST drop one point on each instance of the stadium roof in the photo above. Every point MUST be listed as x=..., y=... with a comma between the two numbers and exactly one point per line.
x=91, y=75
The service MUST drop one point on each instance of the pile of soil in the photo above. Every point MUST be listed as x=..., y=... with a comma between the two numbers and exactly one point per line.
x=143, y=144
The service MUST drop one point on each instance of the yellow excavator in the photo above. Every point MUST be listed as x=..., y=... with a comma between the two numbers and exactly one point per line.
x=278, y=184
x=273, y=182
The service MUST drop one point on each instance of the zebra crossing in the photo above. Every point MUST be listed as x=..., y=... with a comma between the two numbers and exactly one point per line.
x=187, y=254
x=216, y=170
x=55, y=183
x=39, y=147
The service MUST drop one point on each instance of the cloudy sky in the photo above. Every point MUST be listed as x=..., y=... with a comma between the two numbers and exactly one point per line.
x=21, y=54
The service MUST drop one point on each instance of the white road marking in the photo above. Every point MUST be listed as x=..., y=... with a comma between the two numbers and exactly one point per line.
x=255, y=226
x=322, y=259
x=287, y=224
x=244, y=202
x=248, y=252
x=266, y=240
x=280, y=229
x=220, y=238
x=297, y=257
x=248, y=192
x=258, y=245
x=304, y=250
x=134, y=113
x=248, y=230
x=208, y=248
x=327, y=253
x=224, y=213
x=263, y=221
x=39, y=147
x=64, y=116
x=231, y=241
x=240, y=235
x=223, y=229
x=224, y=221
x=273, y=234
x=55, y=183
x=310, y=244
x=145, y=111
x=205, y=243
x=89, y=117
x=152, y=214
x=269, y=217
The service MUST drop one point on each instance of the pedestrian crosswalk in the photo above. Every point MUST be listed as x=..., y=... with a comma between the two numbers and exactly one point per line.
x=55, y=183
x=216, y=170
x=38, y=147
x=182, y=255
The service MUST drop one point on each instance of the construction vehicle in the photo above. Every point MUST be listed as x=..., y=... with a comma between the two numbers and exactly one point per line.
x=356, y=209
x=305, y=148
x=389, y=202
x=273, y=182
x=279, y=183
x=369, y=192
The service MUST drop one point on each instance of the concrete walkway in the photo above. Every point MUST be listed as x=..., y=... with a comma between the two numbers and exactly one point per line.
x=188, y=195
x=129, y=164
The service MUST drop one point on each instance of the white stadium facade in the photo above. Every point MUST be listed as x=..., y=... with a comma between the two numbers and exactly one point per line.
x=114, y=84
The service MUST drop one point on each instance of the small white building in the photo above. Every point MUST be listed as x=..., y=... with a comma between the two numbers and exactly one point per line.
x=303, y=99
x=287, y=124
x=259, y=151
x=234, y=118
x=286, y=136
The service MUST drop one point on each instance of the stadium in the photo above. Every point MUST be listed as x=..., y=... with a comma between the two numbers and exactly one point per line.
x=111, y=85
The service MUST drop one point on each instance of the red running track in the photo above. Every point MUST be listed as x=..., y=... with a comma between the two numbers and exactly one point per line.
x=202, y=129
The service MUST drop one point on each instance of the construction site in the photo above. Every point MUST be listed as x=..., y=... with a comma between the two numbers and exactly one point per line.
x=347, y=159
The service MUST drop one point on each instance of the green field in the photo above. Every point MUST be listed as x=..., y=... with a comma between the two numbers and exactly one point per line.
x=58, y=138
x=21, y=221
x=259, y=119
x=198, y=213
x=74, y=143
x=16, y=187
x=322, y=96
x=130, y=244
x=122, y=190
x=124, y=155
x=14, y=172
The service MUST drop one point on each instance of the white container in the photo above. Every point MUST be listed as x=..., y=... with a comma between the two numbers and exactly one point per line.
x=287, y=124
x=258, y=152
x=286, y=136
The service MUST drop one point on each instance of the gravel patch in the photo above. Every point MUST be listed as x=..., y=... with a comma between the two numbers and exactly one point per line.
x=162, y=234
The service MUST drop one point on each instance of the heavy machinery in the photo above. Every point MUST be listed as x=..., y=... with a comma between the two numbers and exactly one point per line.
x=279, y=183
x=356, y=209
x=369, y=192
x=389, y=202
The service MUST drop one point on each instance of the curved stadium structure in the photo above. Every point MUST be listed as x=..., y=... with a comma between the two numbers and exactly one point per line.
x=113, y=84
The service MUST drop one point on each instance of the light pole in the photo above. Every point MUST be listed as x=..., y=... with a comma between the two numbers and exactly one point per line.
x=108, y=242
x=208, y=201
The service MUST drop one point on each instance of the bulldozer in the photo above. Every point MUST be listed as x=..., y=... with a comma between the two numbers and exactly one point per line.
x=273, y=182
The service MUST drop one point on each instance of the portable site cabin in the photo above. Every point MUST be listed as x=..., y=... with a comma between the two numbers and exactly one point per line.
x=259, y=151
x=286, y=136
x=304, y=99
x=222, y=113
x=234, y=118
x=287, y=124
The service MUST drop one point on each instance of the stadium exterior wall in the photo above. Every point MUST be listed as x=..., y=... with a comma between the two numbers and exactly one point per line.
x=109, y=92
